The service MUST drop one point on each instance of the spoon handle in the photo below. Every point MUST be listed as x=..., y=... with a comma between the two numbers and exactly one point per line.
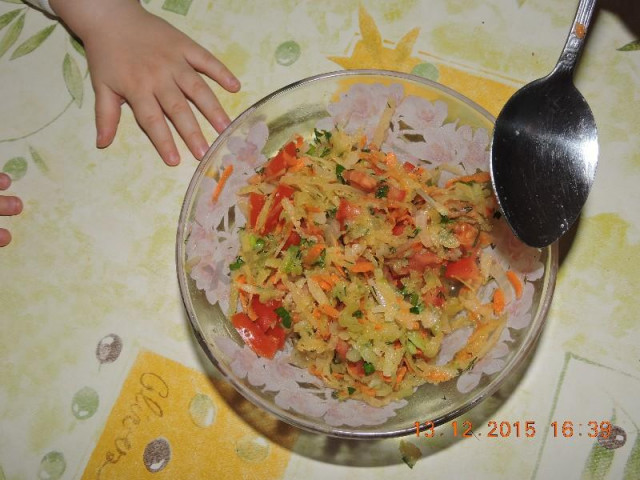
x=575, y=40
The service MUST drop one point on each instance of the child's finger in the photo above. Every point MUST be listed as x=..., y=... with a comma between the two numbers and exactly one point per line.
x=151, y=119
x=197, y=90
x=107, y=115
x=204, y=62
x=176, y=107
x=5, y=237
x=10, y=205
x=5, y=181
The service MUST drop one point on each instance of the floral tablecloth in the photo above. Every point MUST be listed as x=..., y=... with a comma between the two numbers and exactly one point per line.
x=100, y=376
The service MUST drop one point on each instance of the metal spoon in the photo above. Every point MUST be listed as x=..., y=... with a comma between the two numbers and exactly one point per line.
x=545, y=148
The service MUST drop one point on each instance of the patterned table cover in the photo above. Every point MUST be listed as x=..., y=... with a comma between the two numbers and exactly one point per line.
x=100, y=376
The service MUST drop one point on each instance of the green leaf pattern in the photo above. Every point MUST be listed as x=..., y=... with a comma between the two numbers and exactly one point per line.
x=38, y=161
x=630, y=47
x=33, y=42
x=6, y=18
x=632, y=467
x=16, y=168
x=73, y=79
x=77, y=46
x=180, y=7
x=11, y=35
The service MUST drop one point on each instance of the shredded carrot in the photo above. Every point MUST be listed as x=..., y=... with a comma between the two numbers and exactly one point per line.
x=244, y=301
x=273, y=279
x=366, y=390
x=377, y=326
x=390, y=159
x=313, y=253
x=484, y=240
x=329, y=310
x=498, y=301
x=362, y=266
x=223, y=179
x=251, y=312
x=516, y=283
x=480, y=177
x=437, y=377
x=255, y=179
x=340, y=270
x=325, y=281
x=296, y=164
x=402, y=371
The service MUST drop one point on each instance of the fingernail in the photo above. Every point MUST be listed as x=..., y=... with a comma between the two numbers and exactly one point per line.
x=17, y=205
x=234, y=83
x=202, y=151
x=100, y=139
x=5, y=237
x=173, y=160
x=5, y=181
x=223, y=123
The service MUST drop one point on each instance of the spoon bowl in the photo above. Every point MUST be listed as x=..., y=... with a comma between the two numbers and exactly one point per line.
x=544, y=151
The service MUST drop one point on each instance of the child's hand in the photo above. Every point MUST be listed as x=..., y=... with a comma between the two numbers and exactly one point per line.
x=8, y=206
x=138, y=58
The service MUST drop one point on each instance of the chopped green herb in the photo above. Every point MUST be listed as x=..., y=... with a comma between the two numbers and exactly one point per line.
x=305, y=242
x=292, y=261
x=237, y=264
x=312, y=151
x=366, y=150
x=445, y=219
x=256, y=243
x=369, y=368
x=414, y=299
x=260, y=170
x=320, y=262
x=318, y=134
x=382, y=191
x=351, y=390
x=331, y=213
x=285, y=316
x=417, y=309
x=339, y=170
x=357, y=314
x=415, y=233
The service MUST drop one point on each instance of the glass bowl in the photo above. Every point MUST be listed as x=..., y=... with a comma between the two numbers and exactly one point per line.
x=457, y=132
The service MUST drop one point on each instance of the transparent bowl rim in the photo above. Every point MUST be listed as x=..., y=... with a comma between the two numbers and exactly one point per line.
x=548, y=286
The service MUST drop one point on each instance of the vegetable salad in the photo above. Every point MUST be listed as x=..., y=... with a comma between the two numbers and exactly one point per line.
x=366, y=264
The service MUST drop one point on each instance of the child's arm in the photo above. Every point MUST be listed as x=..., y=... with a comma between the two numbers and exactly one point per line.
x=138, y=58
x=8, y=206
